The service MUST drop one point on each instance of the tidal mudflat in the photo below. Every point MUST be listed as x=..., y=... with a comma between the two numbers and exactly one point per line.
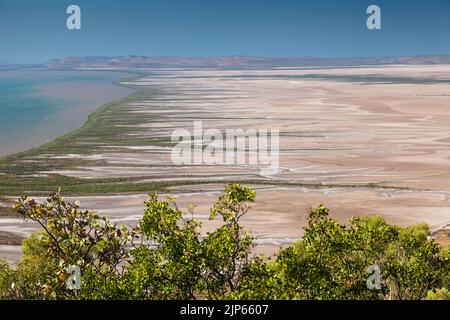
x=363, y=140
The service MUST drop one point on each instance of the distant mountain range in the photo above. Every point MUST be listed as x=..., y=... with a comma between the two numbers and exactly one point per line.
x=127, y=62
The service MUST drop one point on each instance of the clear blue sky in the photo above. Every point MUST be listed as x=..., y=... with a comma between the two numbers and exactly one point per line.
x=34, y=31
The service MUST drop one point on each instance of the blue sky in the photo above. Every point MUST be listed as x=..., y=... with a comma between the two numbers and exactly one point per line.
x=35, y=31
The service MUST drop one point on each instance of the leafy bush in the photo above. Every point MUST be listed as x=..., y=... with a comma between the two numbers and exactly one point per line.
x=166, y=256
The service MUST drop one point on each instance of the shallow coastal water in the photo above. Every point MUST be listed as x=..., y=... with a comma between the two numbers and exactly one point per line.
x=38, y=106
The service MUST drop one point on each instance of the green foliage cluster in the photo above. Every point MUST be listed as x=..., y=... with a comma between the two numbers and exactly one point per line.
x=331, y=262
x=166, y=256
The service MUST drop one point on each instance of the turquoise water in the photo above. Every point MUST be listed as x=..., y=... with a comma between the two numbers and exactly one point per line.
x=38, y=106
x=20, y=106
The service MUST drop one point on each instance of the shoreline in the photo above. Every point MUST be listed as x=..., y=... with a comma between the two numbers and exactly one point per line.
x=71, y=96
x=72, y=133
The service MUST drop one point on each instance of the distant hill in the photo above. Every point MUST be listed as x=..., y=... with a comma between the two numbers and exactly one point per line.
x=235, y=62
x=6, y=67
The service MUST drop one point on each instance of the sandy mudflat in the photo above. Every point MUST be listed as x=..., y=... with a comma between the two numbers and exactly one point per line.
x=378, y=136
